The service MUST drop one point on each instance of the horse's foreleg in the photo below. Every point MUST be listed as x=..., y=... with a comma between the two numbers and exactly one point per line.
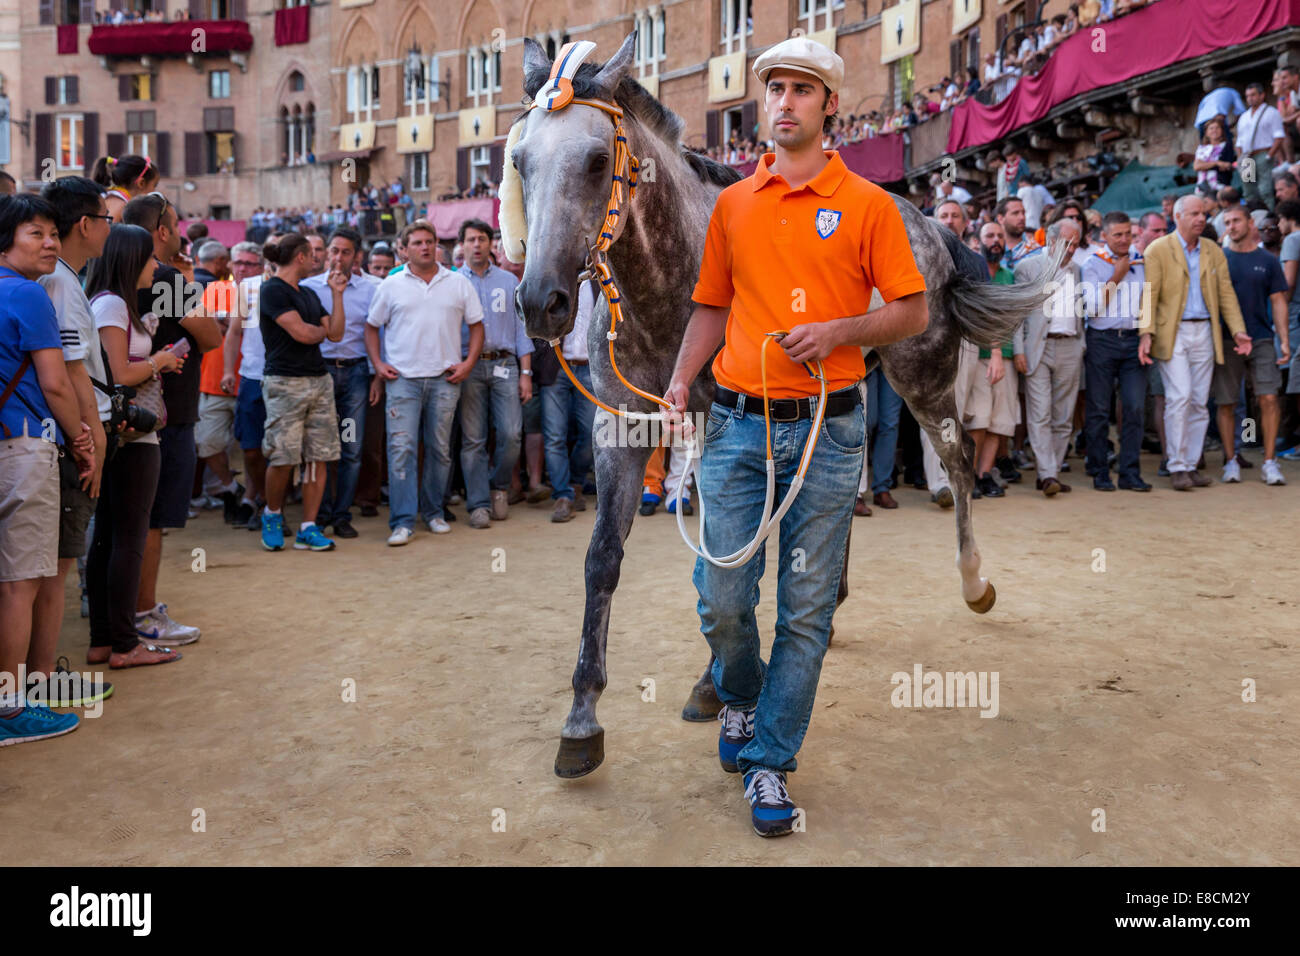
x=619, y=472
x=957, y=452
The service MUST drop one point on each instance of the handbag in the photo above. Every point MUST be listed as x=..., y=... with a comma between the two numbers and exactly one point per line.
x=148, y=394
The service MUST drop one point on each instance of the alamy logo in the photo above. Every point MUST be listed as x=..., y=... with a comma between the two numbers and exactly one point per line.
x=103, y=909
x=828, y=220
x=949, y=689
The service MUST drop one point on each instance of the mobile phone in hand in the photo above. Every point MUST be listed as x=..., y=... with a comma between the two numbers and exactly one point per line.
x=180, y=348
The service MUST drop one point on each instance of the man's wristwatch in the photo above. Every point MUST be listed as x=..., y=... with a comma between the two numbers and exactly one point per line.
x=525, y=371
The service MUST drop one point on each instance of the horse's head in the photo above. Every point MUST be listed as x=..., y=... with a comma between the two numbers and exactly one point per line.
x=565, y=159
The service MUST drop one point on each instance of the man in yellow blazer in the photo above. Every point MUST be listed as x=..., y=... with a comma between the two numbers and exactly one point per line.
x=1188, y=291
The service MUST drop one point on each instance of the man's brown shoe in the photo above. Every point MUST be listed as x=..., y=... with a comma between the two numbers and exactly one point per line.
x=883, y=499
x=861, y=508
x=538, y=494
x=1200, y=480
x=579, y=499
x=563, y=510
x=500, y=507
x=1048, y=486
x=1181, y=480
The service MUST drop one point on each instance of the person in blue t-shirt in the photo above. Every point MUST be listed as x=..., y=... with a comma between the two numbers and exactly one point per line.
x=38, y=412
x=1261, y=288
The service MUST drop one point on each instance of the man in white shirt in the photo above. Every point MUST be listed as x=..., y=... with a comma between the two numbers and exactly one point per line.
x=243, y=360
x=1050, y=340
x=1260, y=140
x=564, y=406
x=422, y=308
x=1036, y=199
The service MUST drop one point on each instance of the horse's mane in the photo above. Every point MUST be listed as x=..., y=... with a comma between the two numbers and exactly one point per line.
x=649, y=112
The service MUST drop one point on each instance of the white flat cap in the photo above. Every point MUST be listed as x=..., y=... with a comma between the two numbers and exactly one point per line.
x=804, y=55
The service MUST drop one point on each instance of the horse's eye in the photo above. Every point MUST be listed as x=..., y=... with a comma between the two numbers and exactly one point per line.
x=598, y=164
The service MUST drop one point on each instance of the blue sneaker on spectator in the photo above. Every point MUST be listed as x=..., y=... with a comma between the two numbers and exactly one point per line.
x=272, y=532
x=312, y=538
x=737, y=730
x=771, y=808
x=687, y=509
x=36, y=722
x=1291, y=454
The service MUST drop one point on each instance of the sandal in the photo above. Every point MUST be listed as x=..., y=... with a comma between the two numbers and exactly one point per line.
x=143, y=654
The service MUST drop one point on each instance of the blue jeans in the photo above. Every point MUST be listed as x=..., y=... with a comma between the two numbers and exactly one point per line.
x=419, y=408
x=884, y=405
x=1110, y=358
x=351, y=393
x=561, y=405
x=481, y=389
x=813, y=538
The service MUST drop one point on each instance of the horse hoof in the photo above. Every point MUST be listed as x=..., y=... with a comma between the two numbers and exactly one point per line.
x=985, y=603
x=579, y=756
x=703, y=705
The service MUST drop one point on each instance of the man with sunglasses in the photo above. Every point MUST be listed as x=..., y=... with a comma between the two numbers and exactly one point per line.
x=166, y=299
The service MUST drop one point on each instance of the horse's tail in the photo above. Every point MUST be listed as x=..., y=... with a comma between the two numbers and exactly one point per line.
x=989, y=314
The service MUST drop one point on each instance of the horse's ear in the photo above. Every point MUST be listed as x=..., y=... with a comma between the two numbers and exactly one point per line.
x=535, y=57
x=612, y=73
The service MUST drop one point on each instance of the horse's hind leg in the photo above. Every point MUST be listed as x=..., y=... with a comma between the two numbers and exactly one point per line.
x=703, y=704
x=957, y=452
x=619, y=471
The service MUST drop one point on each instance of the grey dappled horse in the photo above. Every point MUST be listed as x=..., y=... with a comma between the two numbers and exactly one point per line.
x=564, y=160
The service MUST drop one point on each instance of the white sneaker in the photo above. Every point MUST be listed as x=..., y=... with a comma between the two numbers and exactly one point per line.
x=400, y=537
x=1271, y=473
x=1231, y=471
x=438, y=526
x=156, y=626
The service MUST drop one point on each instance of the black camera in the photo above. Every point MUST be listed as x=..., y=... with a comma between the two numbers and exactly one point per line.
x=122, y=411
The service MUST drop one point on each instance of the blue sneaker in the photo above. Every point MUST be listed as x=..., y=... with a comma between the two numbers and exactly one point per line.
x=737, y=730
x=1291, y=454
x=687, y=509
x=312, y=539
x=771, y=808
x=36, y=722
x=272, y=532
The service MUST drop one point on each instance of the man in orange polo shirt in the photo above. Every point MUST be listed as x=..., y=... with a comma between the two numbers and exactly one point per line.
x=216, y=426
x=798, y=246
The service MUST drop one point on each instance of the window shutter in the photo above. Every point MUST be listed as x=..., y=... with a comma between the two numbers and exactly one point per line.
x=227, y=119
x=749, y=119
x=115, y=144
x=1001, y=31
x=44, y=140
x=973, y=49
x=87, y=11
x=496, y=160
x=462, y=169
x=123, y=88
x=51, y=90
x=954, y=58
x=194, y=150
x=115, y=4
x=164, y=158
x=711, y=129
x=234, y=153
x=197, y=11
x=89, y=141
x=73, y=89
x=239, y=9
x=47, y=13
x=153, y=87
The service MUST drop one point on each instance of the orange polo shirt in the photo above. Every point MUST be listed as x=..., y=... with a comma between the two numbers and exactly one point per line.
x=219, y=298
x=781, y=257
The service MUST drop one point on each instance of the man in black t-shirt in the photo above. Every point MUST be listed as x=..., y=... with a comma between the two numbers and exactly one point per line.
x=301, y=421
x=167, y=298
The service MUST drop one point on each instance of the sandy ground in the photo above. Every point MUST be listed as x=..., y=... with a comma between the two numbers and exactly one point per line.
x=1119, y=690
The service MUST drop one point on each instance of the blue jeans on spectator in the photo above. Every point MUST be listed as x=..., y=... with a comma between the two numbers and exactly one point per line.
x=419, y=408
x=884, y=406
x=351, y=393
x=1111, y=358
x=486, y=389
x=562, y=404
x=813, y=538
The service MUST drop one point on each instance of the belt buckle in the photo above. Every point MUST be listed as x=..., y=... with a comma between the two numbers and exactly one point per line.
x=777, y=403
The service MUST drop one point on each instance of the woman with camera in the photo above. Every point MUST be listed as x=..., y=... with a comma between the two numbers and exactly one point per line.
x=131, y=473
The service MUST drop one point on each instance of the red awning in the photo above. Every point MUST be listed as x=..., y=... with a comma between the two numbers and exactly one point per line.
x=447, y=216
x=879, y=159
x=292, y=25
x=1150, y=39
x=176, y=38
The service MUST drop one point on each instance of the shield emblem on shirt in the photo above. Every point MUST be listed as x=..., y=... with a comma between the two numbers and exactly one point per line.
x=828, y=220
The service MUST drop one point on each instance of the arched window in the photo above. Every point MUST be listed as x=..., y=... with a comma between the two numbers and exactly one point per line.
x=309, y=132
x=296, y=82
x=286, y=137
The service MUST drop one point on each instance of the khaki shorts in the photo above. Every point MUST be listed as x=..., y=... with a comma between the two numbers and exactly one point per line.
x=1261, y=365
x=992, y=407
x=216, y=428
x=301, y=423
x=29, y=509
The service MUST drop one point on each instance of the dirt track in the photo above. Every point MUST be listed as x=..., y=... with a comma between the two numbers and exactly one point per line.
x=1118, y=690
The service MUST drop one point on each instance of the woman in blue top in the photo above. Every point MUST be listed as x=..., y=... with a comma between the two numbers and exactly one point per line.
x=38, y=410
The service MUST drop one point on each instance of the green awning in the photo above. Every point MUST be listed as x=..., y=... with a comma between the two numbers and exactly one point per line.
x=1138, y=188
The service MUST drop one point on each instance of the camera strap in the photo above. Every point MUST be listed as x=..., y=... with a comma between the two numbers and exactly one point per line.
x=12, y=386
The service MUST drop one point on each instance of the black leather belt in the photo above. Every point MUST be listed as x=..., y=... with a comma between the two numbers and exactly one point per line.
x=1117, y=332
x=345, y=363
x=497, y=354
x=789, y=409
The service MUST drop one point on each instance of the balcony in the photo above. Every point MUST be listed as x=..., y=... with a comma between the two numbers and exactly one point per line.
x=175, y=38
